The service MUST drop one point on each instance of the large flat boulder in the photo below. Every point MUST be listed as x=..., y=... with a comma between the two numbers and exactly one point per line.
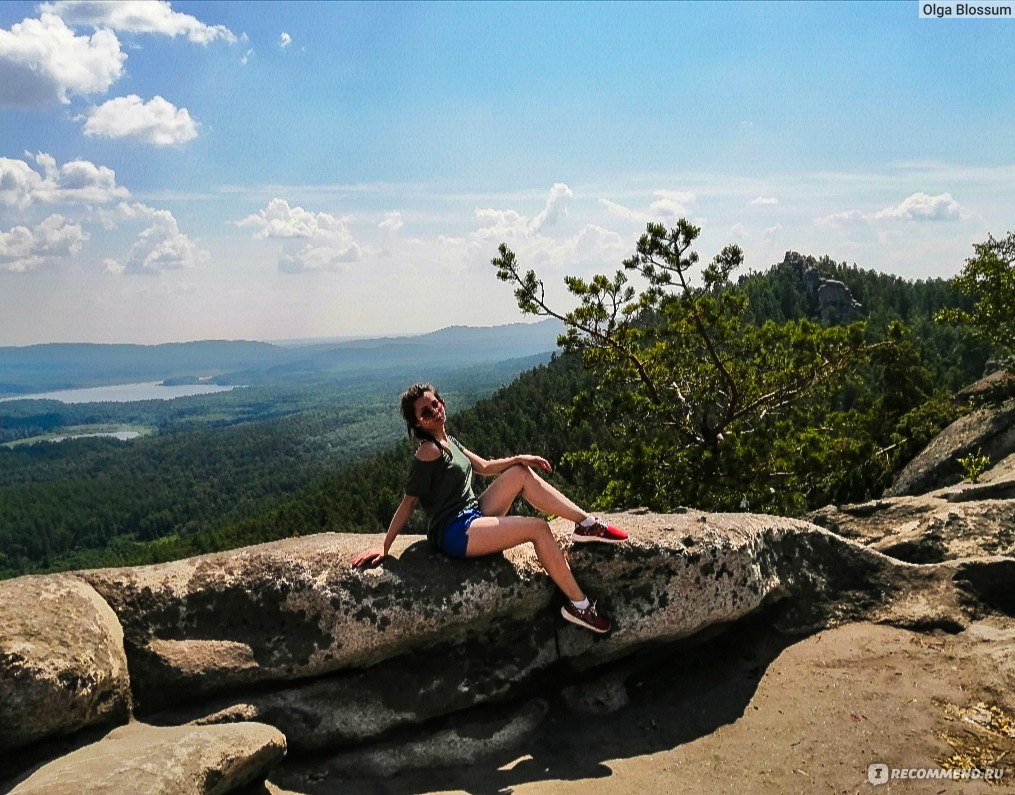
x=173, y=760
x=989, y=430
x=62, y=661
x=295, y=609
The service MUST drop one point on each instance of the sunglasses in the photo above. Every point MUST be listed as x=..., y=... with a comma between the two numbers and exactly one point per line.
x=429, y=412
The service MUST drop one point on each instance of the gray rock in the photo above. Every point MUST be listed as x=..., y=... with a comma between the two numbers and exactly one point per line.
x=828, y=299
x=990, y=430
x=62, y=662
x=836, y=303
x=296, y=610
x=352, y=707
x=942, y=525
x=992, y=389
x=150, y=760
x=474, y=736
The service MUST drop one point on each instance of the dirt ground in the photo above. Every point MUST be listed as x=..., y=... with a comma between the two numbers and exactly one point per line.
x=754, y=711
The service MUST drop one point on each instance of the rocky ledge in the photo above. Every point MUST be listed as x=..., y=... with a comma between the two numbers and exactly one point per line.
x=295, y=650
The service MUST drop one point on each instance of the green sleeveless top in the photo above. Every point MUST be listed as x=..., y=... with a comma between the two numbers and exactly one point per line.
x=444, y=488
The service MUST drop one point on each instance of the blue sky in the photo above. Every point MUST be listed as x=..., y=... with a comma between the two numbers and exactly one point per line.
x=269, y=171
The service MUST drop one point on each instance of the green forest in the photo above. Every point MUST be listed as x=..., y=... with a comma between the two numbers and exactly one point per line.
x=676, y=385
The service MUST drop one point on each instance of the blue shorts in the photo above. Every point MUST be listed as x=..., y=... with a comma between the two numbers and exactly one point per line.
x=456, y=537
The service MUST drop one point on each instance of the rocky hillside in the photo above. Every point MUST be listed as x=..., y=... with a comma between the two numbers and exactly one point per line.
x=278, y=666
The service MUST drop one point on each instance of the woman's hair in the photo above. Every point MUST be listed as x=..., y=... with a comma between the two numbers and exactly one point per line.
x=408, y=405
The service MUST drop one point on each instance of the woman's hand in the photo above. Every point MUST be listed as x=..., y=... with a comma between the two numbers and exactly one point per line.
x=535, y=462
x=369, y=557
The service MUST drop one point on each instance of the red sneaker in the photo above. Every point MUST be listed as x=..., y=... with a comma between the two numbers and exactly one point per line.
x=589, y=618
x=597, y=531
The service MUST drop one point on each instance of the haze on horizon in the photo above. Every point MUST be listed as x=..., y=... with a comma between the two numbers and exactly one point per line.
x=185, y=171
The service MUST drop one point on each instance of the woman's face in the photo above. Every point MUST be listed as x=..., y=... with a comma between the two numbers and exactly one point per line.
x=429, y=410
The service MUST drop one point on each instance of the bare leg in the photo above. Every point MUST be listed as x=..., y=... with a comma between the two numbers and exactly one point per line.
x=497, y=499
x=495, y=534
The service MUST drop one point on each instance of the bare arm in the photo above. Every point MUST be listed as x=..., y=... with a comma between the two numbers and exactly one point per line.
x=374, y=555
x=487, y=468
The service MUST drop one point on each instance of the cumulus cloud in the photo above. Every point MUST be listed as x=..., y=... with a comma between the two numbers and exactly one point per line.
x=512, y=224
x=319, y=258
x=327, y=241
x=124, y=212
x=501, y=223
x=921, y=207
x=76, y=181
x=23, y=249
x=772, y=231
x=556, y=206
x=285, y=40
x=595, y=242
x=157, y=122
x=162, y=246
x=763, y=201
x=667, y=204
x=917, y=207
x=138, y=16
x=278, y=219
x=671, y=203
x=392, y=222
x=42, y=61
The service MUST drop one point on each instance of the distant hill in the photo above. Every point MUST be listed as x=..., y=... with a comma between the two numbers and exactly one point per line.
x=45, y=368
x=415, y=357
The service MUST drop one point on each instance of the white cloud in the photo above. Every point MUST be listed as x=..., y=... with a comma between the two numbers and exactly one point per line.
x=278, y=219
x=763, y=201
x=319, y=258
x=285, y=39
x=595, y=242
x=917, y=207
x=77, y=181
x=921, y=207
x=621, y=211
x=556, y=206
x=156, y=122
x=124, y=212
x=512, y=224
x=111, y=266
x=667, y=204
x=671, y=203
x=771, y=232
x=392, y=222
x=501, y=223
x=42, y=61
x=246, y=57
x=138, y=16
x=23, y=249
x=328, y=240
x=162, y=246
x=738, y=230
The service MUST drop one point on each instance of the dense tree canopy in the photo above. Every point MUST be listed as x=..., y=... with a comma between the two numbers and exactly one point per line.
x=708, y=408
x=989, y=279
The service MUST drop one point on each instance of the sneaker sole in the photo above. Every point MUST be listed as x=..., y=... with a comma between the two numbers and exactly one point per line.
x=582, y=624
x=596, y=540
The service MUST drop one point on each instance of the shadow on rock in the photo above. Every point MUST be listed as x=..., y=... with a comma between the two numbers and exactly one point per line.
x=674, y=696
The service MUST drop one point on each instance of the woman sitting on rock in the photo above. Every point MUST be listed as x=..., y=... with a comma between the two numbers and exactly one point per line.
x=462, y=526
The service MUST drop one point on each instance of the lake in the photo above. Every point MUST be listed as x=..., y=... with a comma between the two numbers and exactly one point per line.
x=124, y=393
